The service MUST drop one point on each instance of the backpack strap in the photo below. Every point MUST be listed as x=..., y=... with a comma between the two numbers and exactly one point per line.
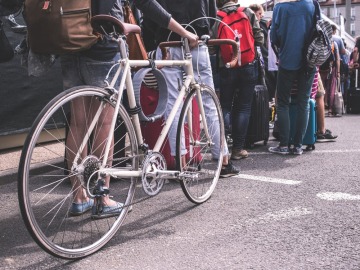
x=317, y=13
x=241, y=9
x=316, y=17
x=221, y=14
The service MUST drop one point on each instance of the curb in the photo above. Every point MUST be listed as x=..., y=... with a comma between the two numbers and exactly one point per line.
x=8, y=172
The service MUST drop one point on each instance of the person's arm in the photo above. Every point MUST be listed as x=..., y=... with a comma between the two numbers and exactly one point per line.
x=158, y=14
x=212, y=12
x=355, y=56
x=337, y=59
x=257, y=31
x=178, y=29
x=274, y=27
x=342, y=47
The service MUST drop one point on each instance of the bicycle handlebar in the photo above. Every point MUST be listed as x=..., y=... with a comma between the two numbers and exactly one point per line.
x=211, y=42
x=235, y=48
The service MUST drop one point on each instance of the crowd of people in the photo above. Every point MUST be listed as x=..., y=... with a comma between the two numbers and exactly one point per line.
x=279, y=51
x=274, y=48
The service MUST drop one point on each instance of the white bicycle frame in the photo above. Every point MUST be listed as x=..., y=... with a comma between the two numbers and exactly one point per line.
x=124, y=68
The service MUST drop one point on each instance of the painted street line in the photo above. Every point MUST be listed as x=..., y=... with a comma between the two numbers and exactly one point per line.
x=337, y=151
x=314, y=152
x=338, y=196
x=280, y=215
x=269, y=179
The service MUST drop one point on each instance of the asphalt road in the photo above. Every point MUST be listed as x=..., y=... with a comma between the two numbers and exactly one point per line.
x=282, y=212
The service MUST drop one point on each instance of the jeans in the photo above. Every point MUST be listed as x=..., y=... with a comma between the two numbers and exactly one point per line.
x=236, y=94
x=202, y=73
x=305, y=78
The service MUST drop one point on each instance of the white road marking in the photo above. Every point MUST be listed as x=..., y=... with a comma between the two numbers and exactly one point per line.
x=337, y=151
x=269, y=179
x=280, y=215
x=338, y=196
x=314, y=152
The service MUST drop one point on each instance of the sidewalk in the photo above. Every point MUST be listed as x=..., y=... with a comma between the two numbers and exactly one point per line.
x=9, y=161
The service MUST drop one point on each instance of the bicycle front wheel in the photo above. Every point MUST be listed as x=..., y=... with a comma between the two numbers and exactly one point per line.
x=49, y=169
x=200, y=144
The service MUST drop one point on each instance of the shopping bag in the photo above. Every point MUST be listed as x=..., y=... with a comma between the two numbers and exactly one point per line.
x=338, y=107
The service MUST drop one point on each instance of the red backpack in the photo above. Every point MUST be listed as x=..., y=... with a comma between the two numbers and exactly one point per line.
x=238, y=22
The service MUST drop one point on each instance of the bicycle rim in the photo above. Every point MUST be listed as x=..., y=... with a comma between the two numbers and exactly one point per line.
x=201, y=165
x=45, y=190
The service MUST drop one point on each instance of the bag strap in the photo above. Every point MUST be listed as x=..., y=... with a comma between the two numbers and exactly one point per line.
x=163, y=93
x=316, y=17
x=220, y=13
x=141, y=51
x=317, y=13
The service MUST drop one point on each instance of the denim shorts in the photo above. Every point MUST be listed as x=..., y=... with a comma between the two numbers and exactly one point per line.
x=81, y=70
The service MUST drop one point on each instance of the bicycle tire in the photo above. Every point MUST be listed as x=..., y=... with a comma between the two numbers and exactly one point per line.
x=201, y=165
x=44, y=188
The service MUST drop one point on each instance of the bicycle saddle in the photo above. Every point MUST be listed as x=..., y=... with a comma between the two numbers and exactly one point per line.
x=110, y=24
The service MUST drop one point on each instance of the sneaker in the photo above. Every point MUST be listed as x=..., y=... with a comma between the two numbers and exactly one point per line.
x=283, y=150
x=229, y=140
x=15, y=27
x=78, y=209
x=229, y=170
x=237, y=154
x=108, y=211
x=325, y=137
x=297, y=151
x=21, y=48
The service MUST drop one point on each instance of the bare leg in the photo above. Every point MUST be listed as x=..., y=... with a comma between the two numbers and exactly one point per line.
x=82, y=111
x=320, y=114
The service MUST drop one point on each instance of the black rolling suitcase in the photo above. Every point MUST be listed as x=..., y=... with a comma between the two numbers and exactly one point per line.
x=353, y=95
x=258, y=129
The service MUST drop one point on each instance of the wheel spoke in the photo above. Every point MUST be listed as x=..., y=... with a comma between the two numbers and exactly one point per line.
x=49, y=179
x=204, y=157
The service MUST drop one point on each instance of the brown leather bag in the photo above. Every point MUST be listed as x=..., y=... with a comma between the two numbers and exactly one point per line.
x=59, y=26
x=137, y=49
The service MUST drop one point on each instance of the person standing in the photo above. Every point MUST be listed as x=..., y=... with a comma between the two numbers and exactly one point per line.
x=270, y=73
x=237, y=84
x=343, y=56
x=330, y=75
x=90, y=67
x=169, y=15
x=290, y=30
x=322, y=134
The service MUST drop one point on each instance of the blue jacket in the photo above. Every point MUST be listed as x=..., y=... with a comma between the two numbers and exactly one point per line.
x=290, y=30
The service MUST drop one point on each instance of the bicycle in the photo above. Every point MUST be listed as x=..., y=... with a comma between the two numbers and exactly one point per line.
x=45, y=192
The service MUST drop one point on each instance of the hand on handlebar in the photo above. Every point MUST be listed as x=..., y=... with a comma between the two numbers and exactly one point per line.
x=193, y=39
x=211, y=42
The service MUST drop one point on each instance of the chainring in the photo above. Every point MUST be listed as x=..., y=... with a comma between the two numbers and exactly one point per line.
x=151, y=181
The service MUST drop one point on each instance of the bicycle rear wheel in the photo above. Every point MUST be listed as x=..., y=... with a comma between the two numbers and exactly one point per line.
x=44, y=185
x=201, y=165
